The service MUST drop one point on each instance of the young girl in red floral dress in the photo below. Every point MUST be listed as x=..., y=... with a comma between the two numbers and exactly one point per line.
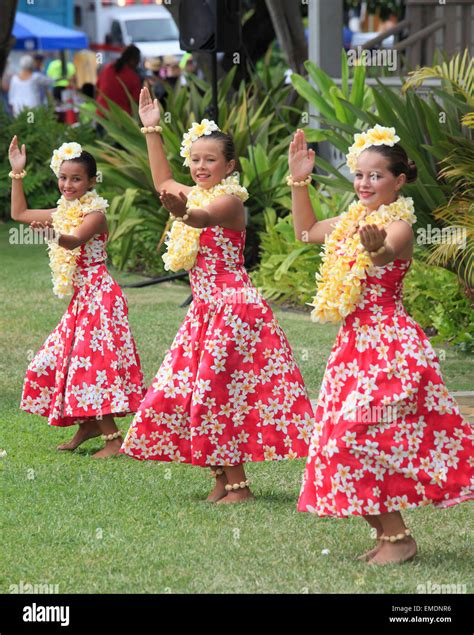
x=388, y=435
x=229, y=391
x=88, y=370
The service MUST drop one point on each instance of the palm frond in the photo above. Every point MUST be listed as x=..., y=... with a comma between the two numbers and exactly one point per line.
x=458, y=72
x=468, y=120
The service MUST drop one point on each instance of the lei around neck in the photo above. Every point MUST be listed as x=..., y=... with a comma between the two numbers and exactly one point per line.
x=183, y=241
x=68, y=216
x=345, y=263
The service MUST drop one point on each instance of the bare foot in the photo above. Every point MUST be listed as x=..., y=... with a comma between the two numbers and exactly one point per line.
x=365, y=557
x=236, y=496
x=219, y=490
x=85, y=432
x=395, y=552
x=112, y=448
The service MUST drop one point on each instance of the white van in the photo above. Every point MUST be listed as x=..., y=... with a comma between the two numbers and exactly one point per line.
x=118, y=23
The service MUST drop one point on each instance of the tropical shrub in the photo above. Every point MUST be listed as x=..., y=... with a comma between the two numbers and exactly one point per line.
x=433, y=297
x=456, y=156
x=287, y=268
x=134, y=229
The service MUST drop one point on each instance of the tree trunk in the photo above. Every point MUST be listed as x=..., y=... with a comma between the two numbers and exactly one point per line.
x=6, y=28
x=288, y=23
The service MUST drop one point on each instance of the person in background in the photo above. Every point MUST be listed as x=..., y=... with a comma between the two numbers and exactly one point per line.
x=87, y=108
x=153, y=79
x=39, y=68
x=39, y=63
x=61, y=80
x=25, y=87
x=4, y=87
x=188, y=67
x=115, y=76
x=170, y=77
x=171, y=70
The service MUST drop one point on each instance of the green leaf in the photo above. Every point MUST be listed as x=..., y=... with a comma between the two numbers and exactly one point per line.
x=344, y=74
x=319, y=77
x=305, y=89
x=358, y=87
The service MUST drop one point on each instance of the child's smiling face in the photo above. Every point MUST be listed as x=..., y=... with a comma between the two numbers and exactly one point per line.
x=73, y=181
x=208, y=163
x=374, y=183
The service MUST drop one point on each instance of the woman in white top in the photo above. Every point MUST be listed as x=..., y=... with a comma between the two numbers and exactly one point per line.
x=25, y=87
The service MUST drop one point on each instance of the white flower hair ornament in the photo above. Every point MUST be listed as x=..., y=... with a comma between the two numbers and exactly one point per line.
x=376, y=136
x=66, y=152
x=197, y=130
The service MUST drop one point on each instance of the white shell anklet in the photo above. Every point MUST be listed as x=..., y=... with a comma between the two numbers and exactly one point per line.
x=217, y=472
x=396, y=537
x=112, y=437
x=235, y=486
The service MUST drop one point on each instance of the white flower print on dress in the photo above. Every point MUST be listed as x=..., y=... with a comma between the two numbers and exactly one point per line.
x=88, y=366
x=418, y=449
x=243, y=396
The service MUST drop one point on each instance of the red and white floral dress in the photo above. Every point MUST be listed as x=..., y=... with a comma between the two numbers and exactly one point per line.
x=89, y=365
x=229, y=390
x=388, y=436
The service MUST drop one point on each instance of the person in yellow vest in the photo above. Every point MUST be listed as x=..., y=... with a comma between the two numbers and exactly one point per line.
x=62, y=81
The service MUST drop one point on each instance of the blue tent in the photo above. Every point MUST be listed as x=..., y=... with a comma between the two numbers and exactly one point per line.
x=34, y=34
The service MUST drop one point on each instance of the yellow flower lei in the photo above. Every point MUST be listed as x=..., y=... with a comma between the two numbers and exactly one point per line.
x=340, y=283
x=68, y=216
x=183, y=241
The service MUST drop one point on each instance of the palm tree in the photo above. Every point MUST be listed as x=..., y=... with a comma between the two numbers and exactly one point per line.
x=458, y=214
x=6, y=28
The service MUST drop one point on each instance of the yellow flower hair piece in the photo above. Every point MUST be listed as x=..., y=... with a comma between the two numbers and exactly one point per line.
x=196, y=131
x=67, y=217
x=345, y=262
x=183, y=241
x=376, y=136
x=66, y=152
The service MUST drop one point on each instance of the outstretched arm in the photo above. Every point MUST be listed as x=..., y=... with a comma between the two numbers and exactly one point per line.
x=92, y=225
x=19, y=206
x=226, y=211
x=301, y=162
x=394, y=242
x=150, y=115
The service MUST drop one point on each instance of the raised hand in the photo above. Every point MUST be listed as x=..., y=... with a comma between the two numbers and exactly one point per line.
x=16, y=156
x=148, y=109
x=174, y=204
x=301, y=160
x=372, y=237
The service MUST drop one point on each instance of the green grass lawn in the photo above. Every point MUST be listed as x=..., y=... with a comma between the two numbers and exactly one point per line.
x=122, y=526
